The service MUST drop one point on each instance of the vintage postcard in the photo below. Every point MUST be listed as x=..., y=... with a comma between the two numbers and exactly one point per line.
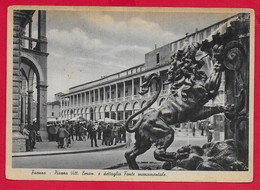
x=130, y=94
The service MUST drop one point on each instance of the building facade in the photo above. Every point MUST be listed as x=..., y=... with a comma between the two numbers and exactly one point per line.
x=29, y=75
x=53, y=109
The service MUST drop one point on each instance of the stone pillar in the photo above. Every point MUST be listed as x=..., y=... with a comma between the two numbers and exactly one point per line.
x=94, y=94
x=99, y=95
x=110, y=93
x=77, y=100
x=116, y=92
x=42, y=31
x=89, y=97
x=85, y=98
x=116, y=112
x=124, y=115
x=18, y=140
x=42, y=109
x=133, y=85
x=104, y=94
x=140, y=82
x=30, y=100
x=124, y=90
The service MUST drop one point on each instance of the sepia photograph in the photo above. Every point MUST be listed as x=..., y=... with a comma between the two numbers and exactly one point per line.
x=130, y=94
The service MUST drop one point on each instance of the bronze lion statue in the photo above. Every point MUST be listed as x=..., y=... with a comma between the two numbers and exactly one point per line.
x=191, y=89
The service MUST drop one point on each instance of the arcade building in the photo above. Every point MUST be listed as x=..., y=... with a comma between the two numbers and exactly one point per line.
x=29, y=74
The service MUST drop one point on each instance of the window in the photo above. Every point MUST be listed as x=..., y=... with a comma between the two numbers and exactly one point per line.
x=52, y=113
x=157, y=58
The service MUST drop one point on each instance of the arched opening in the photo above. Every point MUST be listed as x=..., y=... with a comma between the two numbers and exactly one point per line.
x=30, y=95
x=101, y=112
x=106, y=111
x=120, y=112
x=113, y=112
x=128, y=110
x=91, y=112
x=95, y=114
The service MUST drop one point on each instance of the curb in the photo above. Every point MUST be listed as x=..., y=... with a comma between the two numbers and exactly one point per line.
x=28, y=154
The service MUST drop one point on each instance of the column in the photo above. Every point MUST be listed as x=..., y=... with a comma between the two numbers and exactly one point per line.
x=124, y=90
x=133, y=84
x=85, y=98
x=116, y=92
x=94, y=94
x=80, y=100
x=123, y=115
x=72, y=101
x=116, y=112
x=99, y=95
x=42, y=31
x=30, y=34
x=23, y=104
x=104, y=94
x=77, y=100
x=140, y=82
x=42, y=109
x=89, y=97
x=30, y=100
x=110, y=93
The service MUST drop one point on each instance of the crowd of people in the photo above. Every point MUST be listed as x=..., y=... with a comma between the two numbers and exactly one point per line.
x=69, y=132
x=99, y=133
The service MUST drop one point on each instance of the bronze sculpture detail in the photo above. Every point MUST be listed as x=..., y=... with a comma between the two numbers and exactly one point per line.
x=191, y=89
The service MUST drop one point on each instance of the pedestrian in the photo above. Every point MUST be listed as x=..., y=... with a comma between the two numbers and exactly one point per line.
x=77, y=132
x=104, y=135
x=93, y=135
x=115, y=135
x=71, y=131
x=128, y=140
x=26, y=133
x=202, y=130
x=62, y=133
x=99, y=131
x=193, y=130
x=210, y=133
x=82, y=130
x=32, y=136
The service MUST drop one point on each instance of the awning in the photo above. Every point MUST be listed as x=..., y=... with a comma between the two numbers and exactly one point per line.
x=108, y=120
x=78, y=118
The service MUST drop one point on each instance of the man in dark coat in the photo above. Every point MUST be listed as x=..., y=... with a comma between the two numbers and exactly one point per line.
x=93, y=135
x=62, y=133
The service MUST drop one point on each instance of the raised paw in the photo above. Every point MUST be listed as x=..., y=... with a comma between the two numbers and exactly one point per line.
x=229, y=108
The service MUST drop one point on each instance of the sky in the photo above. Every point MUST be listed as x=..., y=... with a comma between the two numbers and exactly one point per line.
x=85, y=45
